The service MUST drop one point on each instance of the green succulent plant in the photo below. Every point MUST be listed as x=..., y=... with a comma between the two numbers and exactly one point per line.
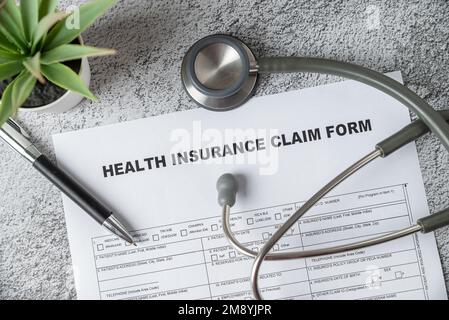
x=35, y=40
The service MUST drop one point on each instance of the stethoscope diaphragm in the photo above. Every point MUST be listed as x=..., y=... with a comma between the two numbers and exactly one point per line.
x=219, y=72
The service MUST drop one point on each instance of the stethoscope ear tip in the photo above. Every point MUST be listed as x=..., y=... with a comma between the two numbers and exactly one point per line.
x=227, y=188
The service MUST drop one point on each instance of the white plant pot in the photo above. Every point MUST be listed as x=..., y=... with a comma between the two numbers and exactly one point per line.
x=69, y=99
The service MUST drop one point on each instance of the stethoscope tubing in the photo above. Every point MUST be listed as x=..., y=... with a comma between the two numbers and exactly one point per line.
x=279, y=256
x=425, y=112
x=393, y=88
x=264, y=254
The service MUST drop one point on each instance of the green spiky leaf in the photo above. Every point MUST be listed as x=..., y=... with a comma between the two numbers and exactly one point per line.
x=6, y=56
x=14, y=11
x=6, y=107
x=46, y=7
x=45, y=24
x=11, y=30
x=9, y=69
x=16, y=94
x=64, y=32
x=33, y=65
x=67, y=52
x=5, y=44
x=29, y=10
x=22, y=89
x=66, y=78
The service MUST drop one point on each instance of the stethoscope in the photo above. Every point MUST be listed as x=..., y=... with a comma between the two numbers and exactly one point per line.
x=219, y=73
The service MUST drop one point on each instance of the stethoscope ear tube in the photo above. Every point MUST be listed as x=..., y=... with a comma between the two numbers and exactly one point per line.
x=399, y=139
x=434, y=221
x=406, y=135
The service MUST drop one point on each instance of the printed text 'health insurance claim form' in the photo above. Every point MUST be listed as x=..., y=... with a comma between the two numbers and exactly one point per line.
x=174, y=216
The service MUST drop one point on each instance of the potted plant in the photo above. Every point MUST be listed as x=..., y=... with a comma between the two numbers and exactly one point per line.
x=41, y=51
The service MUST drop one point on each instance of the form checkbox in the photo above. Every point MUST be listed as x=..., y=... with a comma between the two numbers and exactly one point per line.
x=265, y=235
x=250, y=221
x=100, y=247
x=214, y=257
x=183, y=233
x=276, y=247
x=232, y=254
x=214, y=227
x=256, y=249
x=278, y=216
x=155, y=237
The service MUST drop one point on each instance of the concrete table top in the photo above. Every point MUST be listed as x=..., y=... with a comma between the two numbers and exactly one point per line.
x=143, y=80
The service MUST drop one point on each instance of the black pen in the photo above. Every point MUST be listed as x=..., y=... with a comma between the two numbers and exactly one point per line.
x=18, y=139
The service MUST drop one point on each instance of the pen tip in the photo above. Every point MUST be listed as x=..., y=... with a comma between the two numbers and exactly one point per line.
x=134, y=244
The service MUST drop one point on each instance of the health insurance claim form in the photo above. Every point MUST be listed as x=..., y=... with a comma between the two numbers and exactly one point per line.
x=173, y=213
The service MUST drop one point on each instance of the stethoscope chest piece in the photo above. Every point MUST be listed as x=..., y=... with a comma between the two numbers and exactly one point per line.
x=219, y=72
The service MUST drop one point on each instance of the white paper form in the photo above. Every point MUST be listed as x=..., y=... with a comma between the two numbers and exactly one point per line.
x=305, y=138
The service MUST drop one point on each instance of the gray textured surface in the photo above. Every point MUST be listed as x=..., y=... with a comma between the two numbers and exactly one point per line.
x=143, y=80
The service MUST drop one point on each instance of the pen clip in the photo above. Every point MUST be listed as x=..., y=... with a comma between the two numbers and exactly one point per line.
x=18, y=128
x=18, y=139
